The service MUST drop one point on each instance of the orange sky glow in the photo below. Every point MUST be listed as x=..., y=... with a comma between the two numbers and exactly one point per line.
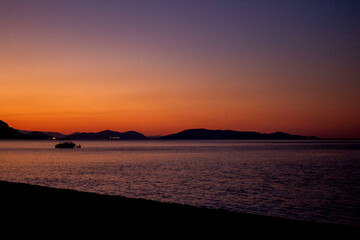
x=90, y=67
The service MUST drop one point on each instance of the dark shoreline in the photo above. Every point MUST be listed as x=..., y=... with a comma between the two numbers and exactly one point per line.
x=50, y=205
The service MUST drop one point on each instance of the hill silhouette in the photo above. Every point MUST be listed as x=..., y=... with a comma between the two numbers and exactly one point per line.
x=230, y=134
x=107, y=134
x=7, y=132
x=45, y=135
x=39, y=135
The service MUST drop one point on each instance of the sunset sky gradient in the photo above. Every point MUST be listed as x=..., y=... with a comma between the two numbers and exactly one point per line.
x=160, y=67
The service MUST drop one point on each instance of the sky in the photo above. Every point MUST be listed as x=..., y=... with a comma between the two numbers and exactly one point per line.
x=159, y=67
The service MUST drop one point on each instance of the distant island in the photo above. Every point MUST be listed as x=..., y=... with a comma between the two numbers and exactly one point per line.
x=7, y=132
x=43, y=135
x=107, y=134
x=232, y=135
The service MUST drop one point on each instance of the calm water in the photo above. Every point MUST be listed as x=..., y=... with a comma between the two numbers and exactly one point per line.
x=313, y=180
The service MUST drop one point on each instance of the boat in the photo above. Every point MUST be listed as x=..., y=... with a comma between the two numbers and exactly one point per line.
x=66, y=144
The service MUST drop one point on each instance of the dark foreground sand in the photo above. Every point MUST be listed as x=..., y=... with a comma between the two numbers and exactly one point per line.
x=60, y=210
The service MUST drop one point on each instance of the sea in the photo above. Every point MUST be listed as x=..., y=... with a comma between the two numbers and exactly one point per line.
x=315, y=181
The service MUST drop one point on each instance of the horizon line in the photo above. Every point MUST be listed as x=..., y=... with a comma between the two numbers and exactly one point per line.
x=155, y=136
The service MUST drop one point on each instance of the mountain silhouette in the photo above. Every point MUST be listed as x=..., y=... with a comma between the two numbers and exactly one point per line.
x=46, y=135
x=107, y=134
x=7, y=132
x=230, y=134
x=39, y=135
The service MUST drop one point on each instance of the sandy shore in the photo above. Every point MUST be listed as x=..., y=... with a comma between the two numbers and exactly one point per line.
x=58, y=208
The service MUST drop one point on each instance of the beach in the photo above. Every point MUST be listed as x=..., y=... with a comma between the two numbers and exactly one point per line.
x=52, y=207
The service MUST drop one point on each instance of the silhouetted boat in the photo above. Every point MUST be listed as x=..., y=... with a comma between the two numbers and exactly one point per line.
x=66, y=144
